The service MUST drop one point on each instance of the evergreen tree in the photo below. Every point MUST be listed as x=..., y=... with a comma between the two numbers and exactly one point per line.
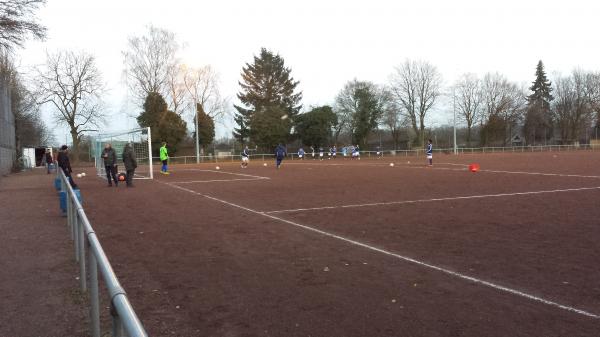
x=171, y=129
x=315, y=127
x=538, y=119
x=154, y=107
x=206, y=127
x=241, y=133
x=268, y=129
x=362, y=104
x=268, y=92
x=165, y=125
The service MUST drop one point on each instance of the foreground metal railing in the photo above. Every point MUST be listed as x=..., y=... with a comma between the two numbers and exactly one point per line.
x=387, y=153
x=124, y=320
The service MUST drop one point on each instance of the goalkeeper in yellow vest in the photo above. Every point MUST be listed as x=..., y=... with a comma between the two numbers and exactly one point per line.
x=164, y=158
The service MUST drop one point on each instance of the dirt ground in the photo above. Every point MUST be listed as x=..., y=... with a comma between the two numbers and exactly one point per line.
x=360, y=248
x=38, y=285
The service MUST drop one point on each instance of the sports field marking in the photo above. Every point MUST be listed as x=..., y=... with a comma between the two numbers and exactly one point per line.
x=225, y=172
x=481, y=196
x=398, y=256
x=530, y=173
x=217, y=180
x=542, y=174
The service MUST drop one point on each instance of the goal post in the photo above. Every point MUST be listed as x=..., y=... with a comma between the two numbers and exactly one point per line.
x=141, y=142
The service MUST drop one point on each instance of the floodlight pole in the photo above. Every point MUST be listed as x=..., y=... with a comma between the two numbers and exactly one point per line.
x=454, y=110
x=197, y=136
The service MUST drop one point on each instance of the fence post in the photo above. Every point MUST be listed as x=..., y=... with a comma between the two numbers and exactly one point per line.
x=69, y=218
x=81, y=238
x=94, y=295
x=117, y=325
x=75, y=227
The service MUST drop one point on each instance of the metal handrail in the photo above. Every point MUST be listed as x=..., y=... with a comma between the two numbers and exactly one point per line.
x=124, y=319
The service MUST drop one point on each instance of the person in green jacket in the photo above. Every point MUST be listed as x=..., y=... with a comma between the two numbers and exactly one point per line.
x=164, y=158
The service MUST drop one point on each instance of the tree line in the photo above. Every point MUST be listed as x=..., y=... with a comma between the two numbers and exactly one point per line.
x=171, y=96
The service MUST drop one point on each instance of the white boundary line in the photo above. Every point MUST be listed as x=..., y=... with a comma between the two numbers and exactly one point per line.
x=530, y=173
x=216, y=180
x=542, y=174
x=431, y=200
x=401, y=257
x=435, y=167
x=225, y=172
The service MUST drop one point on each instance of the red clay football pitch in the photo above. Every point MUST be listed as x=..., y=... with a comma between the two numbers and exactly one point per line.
x=361, y=248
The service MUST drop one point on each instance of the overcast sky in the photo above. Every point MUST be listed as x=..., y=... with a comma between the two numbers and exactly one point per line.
x=327, y=43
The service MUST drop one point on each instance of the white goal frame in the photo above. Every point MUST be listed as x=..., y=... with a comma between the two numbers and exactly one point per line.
x=140, y=138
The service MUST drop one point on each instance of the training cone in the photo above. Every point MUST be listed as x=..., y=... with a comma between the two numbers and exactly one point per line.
x=474, y=167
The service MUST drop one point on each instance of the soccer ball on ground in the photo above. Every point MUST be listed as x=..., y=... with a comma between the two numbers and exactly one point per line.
x=218, y=168
x=264, y=164
x=79, y=175
x=83, y=174
x=392, y=164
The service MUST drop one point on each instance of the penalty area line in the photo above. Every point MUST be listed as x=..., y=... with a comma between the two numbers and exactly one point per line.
x=216, y=180
x=225, y=172
x=401, y=257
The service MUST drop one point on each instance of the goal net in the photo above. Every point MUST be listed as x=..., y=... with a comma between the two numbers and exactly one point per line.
x=141, y=142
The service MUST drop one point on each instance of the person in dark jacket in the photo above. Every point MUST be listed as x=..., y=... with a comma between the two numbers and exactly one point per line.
x=110, y=164
x=280, y=153
x=65, y=164
x=130, y=163
x=48, y=159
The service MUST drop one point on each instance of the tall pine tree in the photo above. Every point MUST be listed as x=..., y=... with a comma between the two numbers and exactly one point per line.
x=538, y=125
x=268, y=92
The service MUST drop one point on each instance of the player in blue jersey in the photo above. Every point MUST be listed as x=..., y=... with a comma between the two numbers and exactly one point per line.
x=280, y=153
x=334, y=152
x=245, y=157
x=355, y=152
x=429, y=152
x=301, y=153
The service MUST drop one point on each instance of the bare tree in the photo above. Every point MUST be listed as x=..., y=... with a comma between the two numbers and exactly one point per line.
x=593, y=85
x=392, y=116
x=18, y=21
x=72, y=84
x=468, y=96
x=503, y=105
x=151, y=65
x=574, y=106
x=176, y=89
x=202, y=86
x=416, y=86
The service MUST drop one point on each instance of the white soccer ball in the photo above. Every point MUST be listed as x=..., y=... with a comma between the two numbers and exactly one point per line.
x=284, y=117
x=408, y=162
x=83, y=174
x=79, y=175
x=218, y=168
x=392, y=164
x=264, y=164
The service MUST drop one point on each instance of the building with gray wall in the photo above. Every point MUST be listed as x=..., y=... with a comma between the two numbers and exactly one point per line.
x=7, y=130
